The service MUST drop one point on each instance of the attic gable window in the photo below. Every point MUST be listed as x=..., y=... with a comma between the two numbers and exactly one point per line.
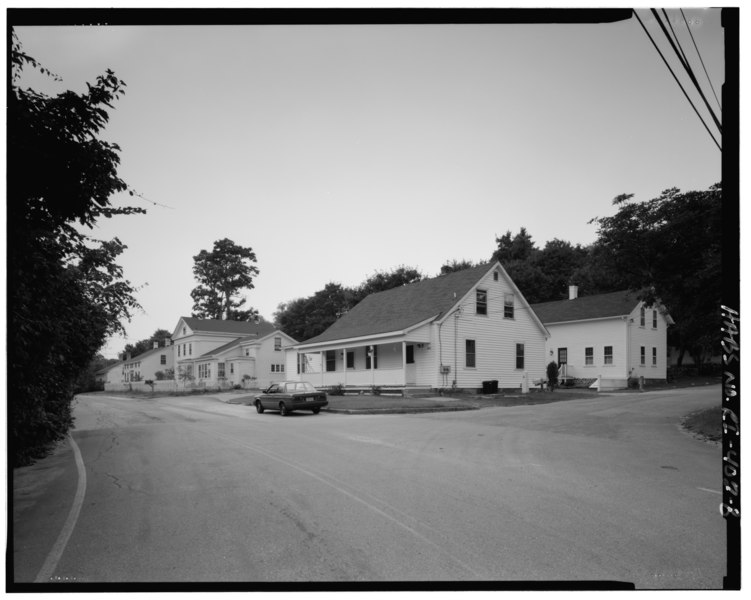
x=642, y=317
x=277, y=343
x=495, y=275
x=482, y=302
x=654, y=319
x=508, y=306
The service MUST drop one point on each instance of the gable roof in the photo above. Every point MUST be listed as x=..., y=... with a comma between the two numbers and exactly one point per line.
x=244, y=339
x=599, y=306
x=399, y=308
x=221, y=326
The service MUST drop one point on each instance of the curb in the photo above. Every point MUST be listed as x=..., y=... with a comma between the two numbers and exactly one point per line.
x=397, y=411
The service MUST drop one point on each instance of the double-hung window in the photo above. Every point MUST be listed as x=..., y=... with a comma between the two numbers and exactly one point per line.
x=654, y=319
x=642, y=355
x=277, y=344
x=482, y=302
x=471, y=357
x=642, y=317
x=350, y=359
x=608, y=355
x=508, y=306
x=589, y=355
x=654, y=356
x=520, y=356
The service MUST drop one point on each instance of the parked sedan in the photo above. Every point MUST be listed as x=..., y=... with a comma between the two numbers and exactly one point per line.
x=287, y=396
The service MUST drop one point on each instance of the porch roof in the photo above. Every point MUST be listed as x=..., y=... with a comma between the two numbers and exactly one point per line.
x=398, y=309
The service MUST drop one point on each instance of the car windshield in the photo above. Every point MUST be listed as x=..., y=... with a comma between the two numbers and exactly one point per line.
x=299, y=386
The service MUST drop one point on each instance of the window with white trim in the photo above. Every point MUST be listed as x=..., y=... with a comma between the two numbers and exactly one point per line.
x=481, y=302
x=470, y=352
x=508, y=306
x=608, y=355
x=642, y=317
x=331, y=360
x=654, y=356
x=642, y=355
x=520, y=356
x=654, y=319
x=589, y=355
x=277, y=344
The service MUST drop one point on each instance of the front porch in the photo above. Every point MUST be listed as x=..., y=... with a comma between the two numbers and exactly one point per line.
x=393, y=366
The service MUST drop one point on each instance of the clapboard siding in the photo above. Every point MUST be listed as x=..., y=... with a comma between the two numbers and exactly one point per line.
x=577, y=336
x=495, y=339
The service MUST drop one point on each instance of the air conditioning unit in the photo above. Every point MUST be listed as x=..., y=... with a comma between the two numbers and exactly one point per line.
x=445, y=369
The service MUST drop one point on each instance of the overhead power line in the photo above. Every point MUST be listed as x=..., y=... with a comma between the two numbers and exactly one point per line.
x=687, y=67
x=698, y=114
x=719, y=104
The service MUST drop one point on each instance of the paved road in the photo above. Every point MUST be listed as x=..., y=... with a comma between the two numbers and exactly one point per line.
x=193, y=489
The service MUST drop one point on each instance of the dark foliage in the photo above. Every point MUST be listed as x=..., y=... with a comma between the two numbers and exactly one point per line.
x=221, y=275
x=65, y=291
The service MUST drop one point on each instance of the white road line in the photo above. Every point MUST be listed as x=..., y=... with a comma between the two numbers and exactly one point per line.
x=708, y=490
x=49, y=566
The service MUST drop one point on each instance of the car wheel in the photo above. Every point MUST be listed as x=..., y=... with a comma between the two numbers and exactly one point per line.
x=316, y=410
x=283, y=409
x=259, y=407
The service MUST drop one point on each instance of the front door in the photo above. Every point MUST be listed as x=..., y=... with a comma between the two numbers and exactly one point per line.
x=410, y=372
x=562, y=361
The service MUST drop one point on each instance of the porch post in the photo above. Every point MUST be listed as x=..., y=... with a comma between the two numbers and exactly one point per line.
x=344, y=365
x=323, y=366
x=404, y=363
x=371, y=350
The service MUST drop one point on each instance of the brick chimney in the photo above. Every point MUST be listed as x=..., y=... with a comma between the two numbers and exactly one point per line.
x=573, y=292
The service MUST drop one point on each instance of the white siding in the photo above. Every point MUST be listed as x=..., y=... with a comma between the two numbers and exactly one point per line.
x=648, y=337
x=495, y=340
x=577, y=336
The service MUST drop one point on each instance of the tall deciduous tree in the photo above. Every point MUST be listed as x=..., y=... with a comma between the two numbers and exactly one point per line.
x=144, y=345
x=221, y=275
x=66, y=293
x=669, y=249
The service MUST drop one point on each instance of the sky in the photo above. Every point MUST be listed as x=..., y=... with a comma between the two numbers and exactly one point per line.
x=338, y=151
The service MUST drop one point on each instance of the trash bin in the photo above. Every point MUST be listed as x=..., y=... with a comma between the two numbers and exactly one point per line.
x=490, y=387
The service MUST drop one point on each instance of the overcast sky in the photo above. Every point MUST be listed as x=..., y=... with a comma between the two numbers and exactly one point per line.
x=337, y=151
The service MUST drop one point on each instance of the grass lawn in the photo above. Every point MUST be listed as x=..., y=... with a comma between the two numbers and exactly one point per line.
x=460, y=401
x=705, y=423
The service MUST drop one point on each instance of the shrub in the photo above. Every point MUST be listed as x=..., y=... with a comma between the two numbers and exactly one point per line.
x=552, y=373
x=336, y=390
x=375, y=390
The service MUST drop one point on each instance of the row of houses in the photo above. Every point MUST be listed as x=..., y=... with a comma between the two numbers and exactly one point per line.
x=455, y=330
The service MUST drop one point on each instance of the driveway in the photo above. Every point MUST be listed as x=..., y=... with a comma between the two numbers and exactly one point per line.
x=605, y=489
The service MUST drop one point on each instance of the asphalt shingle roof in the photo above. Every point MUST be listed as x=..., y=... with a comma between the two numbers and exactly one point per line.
x=229, y=345
x=241, y=328
x=399, y=308
x=599, y=306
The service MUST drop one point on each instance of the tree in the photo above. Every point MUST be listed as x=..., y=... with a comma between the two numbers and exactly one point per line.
x=518, y=247
x=381, y=281
x=142, y=346
x=668, y=250
x=305, y=318
x=66, y=293
x=221, y=275
x=456, y=265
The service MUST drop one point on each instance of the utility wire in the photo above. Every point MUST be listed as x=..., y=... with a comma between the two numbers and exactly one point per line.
x=683, y=54
x=677, y=81
x=701, y=60
x=688, y=70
